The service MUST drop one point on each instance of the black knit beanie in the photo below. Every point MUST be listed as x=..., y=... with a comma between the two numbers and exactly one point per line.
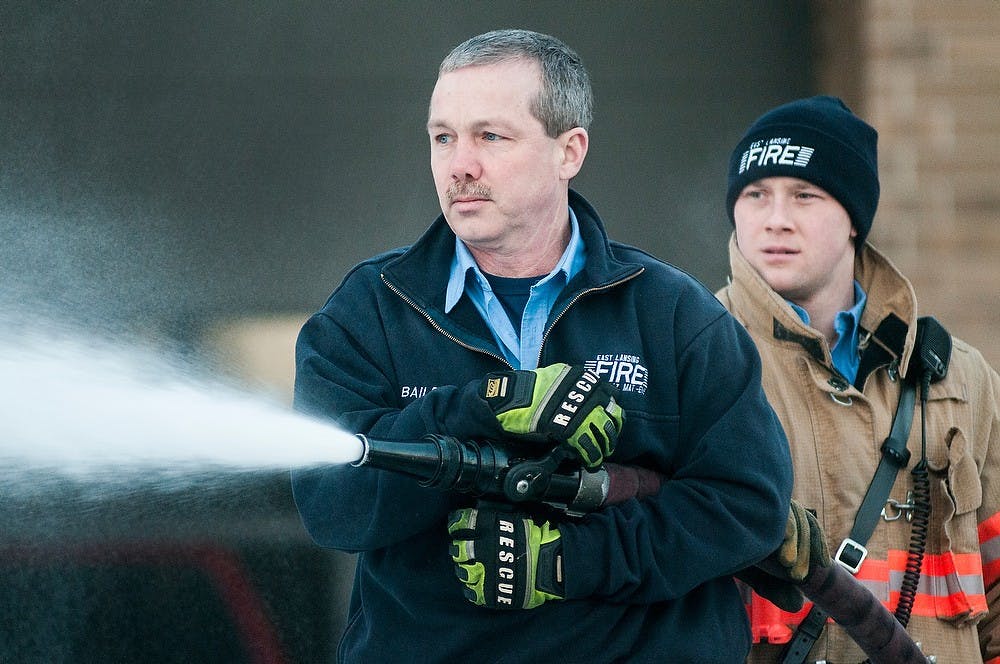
x=819, y=140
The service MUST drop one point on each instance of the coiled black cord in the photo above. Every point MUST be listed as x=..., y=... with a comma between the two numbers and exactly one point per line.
x=921, y=502
x=918, y=542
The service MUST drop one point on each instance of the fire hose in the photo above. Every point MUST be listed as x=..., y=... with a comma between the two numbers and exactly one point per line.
x=495, y=472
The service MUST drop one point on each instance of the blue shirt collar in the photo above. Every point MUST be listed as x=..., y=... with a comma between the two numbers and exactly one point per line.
x=847, y=325
x=521, y=347
x=569, y=264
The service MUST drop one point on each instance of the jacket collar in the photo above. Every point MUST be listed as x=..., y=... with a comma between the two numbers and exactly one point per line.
x=888, y=322
x=420, y=274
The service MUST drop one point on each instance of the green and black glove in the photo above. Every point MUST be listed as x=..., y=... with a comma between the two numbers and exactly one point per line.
x=505, y=559
x=777, y=577
x=560, y=403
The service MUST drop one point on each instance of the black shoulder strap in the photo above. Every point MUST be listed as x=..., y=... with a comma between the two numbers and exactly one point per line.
x=929, y=363
x=852, y=551
x=895, y=456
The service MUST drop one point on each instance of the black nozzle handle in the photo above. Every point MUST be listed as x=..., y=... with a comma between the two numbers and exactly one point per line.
x=488, y=469
x=442, y=462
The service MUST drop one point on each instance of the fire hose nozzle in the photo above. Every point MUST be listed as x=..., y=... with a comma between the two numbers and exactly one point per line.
x=488, y=469
x=442, y=462
x=365, y=446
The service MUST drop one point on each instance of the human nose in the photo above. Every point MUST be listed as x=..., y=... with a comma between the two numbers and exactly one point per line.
x=465, y=163
x=778, y=215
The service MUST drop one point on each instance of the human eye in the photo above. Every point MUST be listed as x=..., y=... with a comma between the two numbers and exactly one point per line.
x=441, y=139
x=490, y=137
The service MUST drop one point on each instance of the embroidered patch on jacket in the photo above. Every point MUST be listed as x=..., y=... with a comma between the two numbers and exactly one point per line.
x=627, y=372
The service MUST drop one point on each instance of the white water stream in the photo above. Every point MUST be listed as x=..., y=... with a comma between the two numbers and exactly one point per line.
x=94, y=412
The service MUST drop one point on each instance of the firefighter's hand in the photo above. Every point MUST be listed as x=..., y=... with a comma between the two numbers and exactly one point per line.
x=558, y=403
x=505, y=559
x=777, y=577
x=804, y=545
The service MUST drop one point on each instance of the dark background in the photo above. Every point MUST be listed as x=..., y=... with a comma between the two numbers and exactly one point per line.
x=180, y=161
x=165, y=166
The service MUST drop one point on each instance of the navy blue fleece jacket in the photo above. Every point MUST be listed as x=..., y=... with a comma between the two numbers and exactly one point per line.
x=646, y=579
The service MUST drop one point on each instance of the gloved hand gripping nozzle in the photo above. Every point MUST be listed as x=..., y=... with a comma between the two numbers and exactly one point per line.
x=497, y=472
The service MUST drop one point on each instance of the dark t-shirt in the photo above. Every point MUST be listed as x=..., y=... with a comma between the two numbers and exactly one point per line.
x=513, y=293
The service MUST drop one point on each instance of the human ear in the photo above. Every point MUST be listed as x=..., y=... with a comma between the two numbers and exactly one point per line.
x=573, y=146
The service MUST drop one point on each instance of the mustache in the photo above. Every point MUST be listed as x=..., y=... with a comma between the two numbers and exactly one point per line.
x=468, y=190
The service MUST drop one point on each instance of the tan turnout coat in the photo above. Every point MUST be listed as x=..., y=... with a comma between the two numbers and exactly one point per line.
x=835, y=431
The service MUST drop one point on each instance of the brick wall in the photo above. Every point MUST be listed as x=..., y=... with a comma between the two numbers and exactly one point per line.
x=926, y=74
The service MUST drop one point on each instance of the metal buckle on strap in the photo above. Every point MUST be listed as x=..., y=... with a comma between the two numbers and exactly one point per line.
x=850, y=555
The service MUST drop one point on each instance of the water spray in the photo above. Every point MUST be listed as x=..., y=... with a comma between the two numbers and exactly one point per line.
x=113, y=418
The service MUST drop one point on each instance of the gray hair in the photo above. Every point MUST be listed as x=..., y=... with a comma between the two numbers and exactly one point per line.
x=566, y=99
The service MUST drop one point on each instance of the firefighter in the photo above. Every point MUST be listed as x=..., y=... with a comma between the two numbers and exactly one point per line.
x=515, y=318
x=837, y=328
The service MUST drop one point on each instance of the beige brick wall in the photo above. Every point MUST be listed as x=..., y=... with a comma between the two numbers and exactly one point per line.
x=926, y=74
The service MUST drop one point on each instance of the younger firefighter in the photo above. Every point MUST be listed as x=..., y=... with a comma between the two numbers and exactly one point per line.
x=837, y=328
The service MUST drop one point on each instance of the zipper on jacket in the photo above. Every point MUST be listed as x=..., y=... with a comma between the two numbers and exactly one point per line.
x=440, y=329
x=545, y=336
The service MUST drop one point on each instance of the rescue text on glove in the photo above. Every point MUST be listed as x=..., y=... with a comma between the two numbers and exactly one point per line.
x=561, y=403
x=505, y=559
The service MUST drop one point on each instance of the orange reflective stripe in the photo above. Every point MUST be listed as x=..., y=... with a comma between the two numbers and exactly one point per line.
x=989, y=528
x=923, y=605
x=874, y=570
x=989, y=546
x=991, y=572
x=936, y=606
x=951, y=585
x=942, y=564
x=768, y=623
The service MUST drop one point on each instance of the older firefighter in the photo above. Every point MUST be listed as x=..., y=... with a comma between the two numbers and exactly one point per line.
x=515, y=318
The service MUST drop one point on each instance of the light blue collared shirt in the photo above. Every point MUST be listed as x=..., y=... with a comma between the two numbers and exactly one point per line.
x=520, y=349
x=846, y=324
